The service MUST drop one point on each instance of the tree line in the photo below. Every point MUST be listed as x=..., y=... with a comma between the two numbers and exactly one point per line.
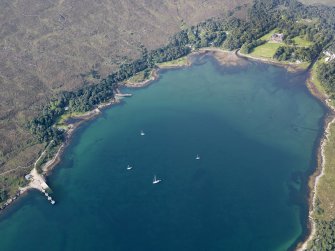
x=263, y=17
x=325, y=232
x=326, y=74
x=210, y=33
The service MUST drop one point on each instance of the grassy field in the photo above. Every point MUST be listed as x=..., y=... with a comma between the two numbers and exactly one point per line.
x=301, y=42
x=269, y=35
x=61, y=122
x=308, y=21
x=139, y=77
x=266, y=50
x=174, y=63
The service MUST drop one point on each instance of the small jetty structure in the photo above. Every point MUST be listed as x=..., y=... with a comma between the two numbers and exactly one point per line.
x=37, y=181
x=119, y=94
x=123, y=95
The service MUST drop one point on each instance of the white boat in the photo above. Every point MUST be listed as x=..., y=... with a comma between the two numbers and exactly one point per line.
x=155, y=181
x=198, y=157
x=129, y=167
x=142, y=133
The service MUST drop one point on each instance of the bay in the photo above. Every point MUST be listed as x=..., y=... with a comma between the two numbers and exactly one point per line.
x=255, y=128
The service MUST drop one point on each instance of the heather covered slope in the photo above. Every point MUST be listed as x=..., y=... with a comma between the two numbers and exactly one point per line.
x=48, y=46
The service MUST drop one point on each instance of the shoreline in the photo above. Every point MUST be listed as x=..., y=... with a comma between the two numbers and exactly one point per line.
x=153, y=76
x=313, y=182
x=329, y=119
x=319, y=172
x=313, y=179
x=291, y=67
x=38, y=180
x=48, y=167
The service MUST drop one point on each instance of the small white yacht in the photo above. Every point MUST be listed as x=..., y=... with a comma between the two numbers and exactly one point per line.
x=198, y=157
x=129, y=167
x=142, y=133
x=155, y=181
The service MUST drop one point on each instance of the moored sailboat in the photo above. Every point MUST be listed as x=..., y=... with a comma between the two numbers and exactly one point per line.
x=155, y=181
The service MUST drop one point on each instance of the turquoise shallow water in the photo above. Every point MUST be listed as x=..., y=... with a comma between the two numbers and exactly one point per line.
x=255, y=128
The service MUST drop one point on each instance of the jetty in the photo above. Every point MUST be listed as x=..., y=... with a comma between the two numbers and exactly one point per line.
x=123, y=94
x=37, y=181
x=119, y=94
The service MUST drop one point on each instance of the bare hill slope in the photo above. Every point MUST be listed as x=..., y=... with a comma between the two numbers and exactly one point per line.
x=47, y=46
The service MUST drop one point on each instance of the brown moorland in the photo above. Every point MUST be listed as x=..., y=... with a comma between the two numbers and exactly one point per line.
x=49, y=46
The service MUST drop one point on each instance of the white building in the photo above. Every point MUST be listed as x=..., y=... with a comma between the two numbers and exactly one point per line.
x=329, y=56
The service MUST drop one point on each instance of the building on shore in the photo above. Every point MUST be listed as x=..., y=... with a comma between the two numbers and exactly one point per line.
x=330, y=56
x=277, y=37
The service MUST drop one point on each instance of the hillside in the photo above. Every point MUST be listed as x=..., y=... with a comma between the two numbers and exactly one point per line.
x=49, y=46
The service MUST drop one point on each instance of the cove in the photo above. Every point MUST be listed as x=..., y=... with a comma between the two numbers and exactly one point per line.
x=255, y=128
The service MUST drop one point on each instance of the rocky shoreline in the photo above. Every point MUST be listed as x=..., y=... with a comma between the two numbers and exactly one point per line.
x=320, y=170
x=291, y=67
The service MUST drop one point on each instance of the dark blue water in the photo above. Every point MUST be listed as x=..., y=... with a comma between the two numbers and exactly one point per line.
x=254, y=128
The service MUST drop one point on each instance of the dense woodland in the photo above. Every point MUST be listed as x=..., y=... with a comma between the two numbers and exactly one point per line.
x=326, y=74
x=230, y=33
x=325, y=233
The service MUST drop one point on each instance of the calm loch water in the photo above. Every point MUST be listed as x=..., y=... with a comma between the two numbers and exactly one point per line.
x=254, y=127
